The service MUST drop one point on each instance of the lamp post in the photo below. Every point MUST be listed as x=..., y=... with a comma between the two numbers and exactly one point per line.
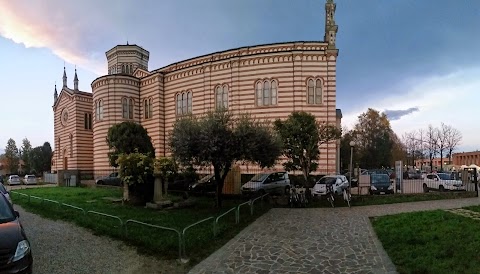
x=352, y=144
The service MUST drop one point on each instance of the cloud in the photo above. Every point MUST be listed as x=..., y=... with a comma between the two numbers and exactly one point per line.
x=397, y=114
x=450, y=98
x=61, y=27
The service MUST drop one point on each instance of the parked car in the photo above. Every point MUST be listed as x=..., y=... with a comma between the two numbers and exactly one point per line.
x=5, y=192
x=30, y=180
x=14, y=180
x=338, y=182
x=273, y=182
x=15, y=252
x=204, y=185
x=113, y=179
x=441, y=182
x=380, y=184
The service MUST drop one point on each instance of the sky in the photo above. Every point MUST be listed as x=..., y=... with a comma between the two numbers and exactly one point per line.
x=418, y=61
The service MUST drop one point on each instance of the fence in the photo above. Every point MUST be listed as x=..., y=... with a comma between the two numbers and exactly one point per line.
x=51, y=178
x=123, y=225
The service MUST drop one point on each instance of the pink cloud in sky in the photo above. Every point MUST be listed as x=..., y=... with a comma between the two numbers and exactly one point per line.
x=66, y=28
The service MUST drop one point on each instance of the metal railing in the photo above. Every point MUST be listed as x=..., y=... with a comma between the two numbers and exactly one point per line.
x=256, y=199
x=181, y=235
x=192, y=225
x=215, y=224
x=159, y=227
x=107, y=215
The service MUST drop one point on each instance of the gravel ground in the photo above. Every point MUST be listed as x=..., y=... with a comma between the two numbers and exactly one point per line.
x=61, y=247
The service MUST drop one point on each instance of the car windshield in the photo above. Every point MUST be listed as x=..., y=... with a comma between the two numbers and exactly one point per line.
x=2, y=189
x=259, y=177
x=327, y=181
x=380, y=179
x=14, y=177
x=6, y=213
x=205, y=179
x=30, y=177
x=445, y=176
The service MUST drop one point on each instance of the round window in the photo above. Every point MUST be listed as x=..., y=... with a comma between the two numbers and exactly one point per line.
x=64, y=117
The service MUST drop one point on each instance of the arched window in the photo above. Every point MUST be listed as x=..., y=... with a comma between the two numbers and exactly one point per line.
x=318, y=92
x=150, y=108
x=259, y=91
x=179, y=104
x=123, y=68
x=221, y=97
x=189, y=102
x=314, y=91
x=184, y=103
x=124, y=108
x=99, y=110
x=145, y=109
x=274, y=92
x=266, y=92
x=130, y=108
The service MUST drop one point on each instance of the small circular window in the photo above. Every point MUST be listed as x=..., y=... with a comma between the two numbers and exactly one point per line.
x=64, y=117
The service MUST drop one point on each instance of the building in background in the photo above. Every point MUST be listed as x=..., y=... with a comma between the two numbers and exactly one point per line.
x=269, y=81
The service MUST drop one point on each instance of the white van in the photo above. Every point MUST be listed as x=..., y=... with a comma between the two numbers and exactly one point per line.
x=273, y=182
x=30, y=180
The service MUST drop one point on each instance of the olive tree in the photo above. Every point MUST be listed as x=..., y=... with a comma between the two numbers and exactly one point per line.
x=218, y=139
x=302, y=137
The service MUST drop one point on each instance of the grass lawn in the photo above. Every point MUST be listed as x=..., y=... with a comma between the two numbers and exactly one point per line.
x=362, y=200
x=199, y=240
x=430, y=242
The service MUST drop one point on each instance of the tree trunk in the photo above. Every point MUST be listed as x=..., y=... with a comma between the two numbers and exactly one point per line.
x=219, y=182
x=158, y=191
x=441, y=161
x=126, y=196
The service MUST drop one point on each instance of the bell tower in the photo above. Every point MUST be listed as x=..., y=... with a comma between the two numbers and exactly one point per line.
x=330, y=27
x=125, y=59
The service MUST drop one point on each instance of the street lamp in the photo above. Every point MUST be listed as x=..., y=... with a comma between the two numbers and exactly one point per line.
x=352, y=144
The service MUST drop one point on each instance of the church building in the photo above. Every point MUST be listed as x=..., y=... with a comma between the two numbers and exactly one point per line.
x=268, y=81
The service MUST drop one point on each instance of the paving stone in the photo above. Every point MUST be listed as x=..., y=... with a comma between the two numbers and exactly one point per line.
x=317, y=240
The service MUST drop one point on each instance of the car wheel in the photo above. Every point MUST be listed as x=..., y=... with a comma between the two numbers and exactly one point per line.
x=441, y=188
x=100, y=183
x=425, y=188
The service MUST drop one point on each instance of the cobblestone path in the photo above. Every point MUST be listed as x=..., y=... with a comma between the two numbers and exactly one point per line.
x=314, y=240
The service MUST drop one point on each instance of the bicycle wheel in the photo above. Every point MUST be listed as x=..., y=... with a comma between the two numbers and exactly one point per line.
x=331, y=199
x=347, y=197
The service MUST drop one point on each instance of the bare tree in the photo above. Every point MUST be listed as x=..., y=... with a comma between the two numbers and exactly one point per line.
x=453, y=139
x=443, y=134
x=431, y=146
x=421, y=145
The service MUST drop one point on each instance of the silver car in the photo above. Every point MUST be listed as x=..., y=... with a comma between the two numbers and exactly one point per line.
x=14, y=180
x=272, y=182
x=30, y=180
x=338, y=183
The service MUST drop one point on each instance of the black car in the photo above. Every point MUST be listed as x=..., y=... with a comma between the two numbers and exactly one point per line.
x=204, y=185
x=380, y=184
x=15, y=252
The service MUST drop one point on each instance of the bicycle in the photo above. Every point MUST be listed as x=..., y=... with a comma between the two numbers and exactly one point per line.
x=347, y=197
x=330, y=195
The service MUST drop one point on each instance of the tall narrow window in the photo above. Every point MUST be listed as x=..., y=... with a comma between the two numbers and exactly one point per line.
x=218, y=97
x=85, y=121
x=311, y=93
x=184, y=103
x=225, y=97
x=145, y=109
x=89, y=121
x=314, y=91
x=179, y=104
x=274, y=92
x=99, y=110
x=189, y=102
x=124, y=108
x=318, y=92
x=259, y=91
x=266, y=93
x=130, y=109
x=150, y=108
